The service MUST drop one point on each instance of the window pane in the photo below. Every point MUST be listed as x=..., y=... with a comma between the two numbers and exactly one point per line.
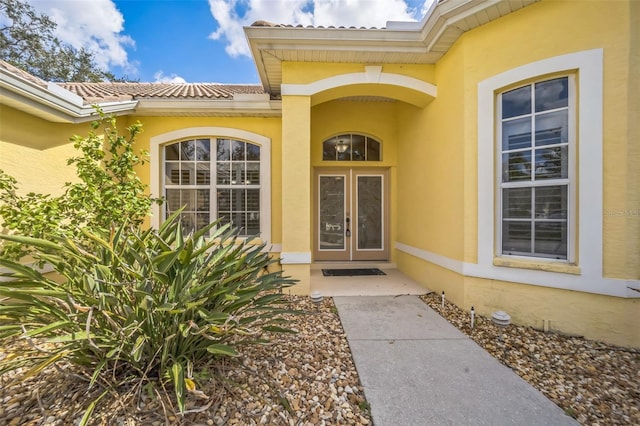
x=331, y=215
x=253, y=200
x=188, y=199
x=253, y=173
x=223, y=150
x=552, y=163
x=173, y=200
x=203, y=174
x=253, y=223
x=373, y=150
x=551, y=202
x=237, y=150
x=238, y=203
x=552, y=128
x=516, y=134
x=253, y=152
x=238, y=222
x=516, y=166
x=187, y=150
x=187, y=173
x=516, y=203
x=203, y=150
x=551, y=239
x=370, y=227
x=172, y=173
x=223, y=173
x=516, y=237
x=329, y=150
x=516, y=102
x=202, y=220
x=346, y=155
x=237, y=173
x=171, y=152
x=357, y=148
x=188, y=221
x=224, y=217
x=203, y=200
x=552, y=94
x=224, y=200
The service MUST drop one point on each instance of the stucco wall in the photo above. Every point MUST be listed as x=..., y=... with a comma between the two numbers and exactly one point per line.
x=437, y=167
x=35, y=151
x=544, y=30
x=267, y=127
x=430, y=166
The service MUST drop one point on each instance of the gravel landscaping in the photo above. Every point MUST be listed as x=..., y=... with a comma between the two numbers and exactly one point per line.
x=309, y=378
x=596, y=383
x=306, y=378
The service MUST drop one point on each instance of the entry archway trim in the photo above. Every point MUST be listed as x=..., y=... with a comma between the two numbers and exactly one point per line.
x=371, y=75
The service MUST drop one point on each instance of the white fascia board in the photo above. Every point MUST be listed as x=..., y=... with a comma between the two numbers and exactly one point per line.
x=343, y=39
x=261, y=105
x=55, y=100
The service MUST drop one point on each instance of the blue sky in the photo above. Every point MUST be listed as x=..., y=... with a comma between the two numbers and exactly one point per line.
x=199, y=40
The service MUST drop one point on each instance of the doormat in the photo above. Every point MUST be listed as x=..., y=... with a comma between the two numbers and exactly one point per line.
x=351, y=272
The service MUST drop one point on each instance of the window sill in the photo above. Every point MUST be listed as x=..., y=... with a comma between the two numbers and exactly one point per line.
x=563, y=268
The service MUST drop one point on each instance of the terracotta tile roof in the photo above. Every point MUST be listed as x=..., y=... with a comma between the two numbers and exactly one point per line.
x=22, y=74
x=104, y=92
x=271, y=24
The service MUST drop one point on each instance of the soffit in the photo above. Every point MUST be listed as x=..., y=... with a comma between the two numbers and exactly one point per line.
x=422, y=42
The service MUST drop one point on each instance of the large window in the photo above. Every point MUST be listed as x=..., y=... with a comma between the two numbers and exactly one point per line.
x=214, y=178
x=351, y=147
x=536, y=137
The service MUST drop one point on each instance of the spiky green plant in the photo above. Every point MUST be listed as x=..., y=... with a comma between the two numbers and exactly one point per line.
x=144, y=304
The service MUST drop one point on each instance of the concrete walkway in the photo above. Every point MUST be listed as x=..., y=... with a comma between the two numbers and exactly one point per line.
x=417, y=369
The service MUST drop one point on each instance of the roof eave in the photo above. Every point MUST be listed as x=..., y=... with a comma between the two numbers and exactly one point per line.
x=326, y=39
x=52, y=103
x=432, y=37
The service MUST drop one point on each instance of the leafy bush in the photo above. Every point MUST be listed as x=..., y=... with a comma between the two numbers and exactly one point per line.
x=144, y=304
x=108, y=194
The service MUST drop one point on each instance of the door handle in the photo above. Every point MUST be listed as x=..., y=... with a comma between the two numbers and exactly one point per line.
x=347, y=232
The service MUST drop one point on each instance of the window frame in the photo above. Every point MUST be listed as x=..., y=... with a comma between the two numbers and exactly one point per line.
x=570, y=181
x=213, y=186
x=350, y=136
x=157, y=185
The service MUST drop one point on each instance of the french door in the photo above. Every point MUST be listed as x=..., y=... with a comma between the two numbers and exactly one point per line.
x=351, y=214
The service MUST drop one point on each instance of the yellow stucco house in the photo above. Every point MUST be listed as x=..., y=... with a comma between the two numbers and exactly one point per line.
x=491, y=151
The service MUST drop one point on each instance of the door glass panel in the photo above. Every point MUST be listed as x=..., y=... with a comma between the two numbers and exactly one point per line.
x=331, y=220
x=370, y=212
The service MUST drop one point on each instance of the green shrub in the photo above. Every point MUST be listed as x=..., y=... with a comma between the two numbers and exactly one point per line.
x=108, y=192
x=143, y=304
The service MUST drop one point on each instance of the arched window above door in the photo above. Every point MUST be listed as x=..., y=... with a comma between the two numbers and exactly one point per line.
x=351, y=147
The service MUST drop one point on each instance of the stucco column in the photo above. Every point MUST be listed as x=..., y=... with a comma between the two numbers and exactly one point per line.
x=296, y=190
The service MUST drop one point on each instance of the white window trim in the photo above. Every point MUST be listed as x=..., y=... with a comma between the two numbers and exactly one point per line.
x=155, y=153
x=571, y=179
x=588, y=66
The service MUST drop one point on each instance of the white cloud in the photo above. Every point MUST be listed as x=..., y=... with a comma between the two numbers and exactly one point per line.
x=95, y=25
x=159, y=77
x=232, y=15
